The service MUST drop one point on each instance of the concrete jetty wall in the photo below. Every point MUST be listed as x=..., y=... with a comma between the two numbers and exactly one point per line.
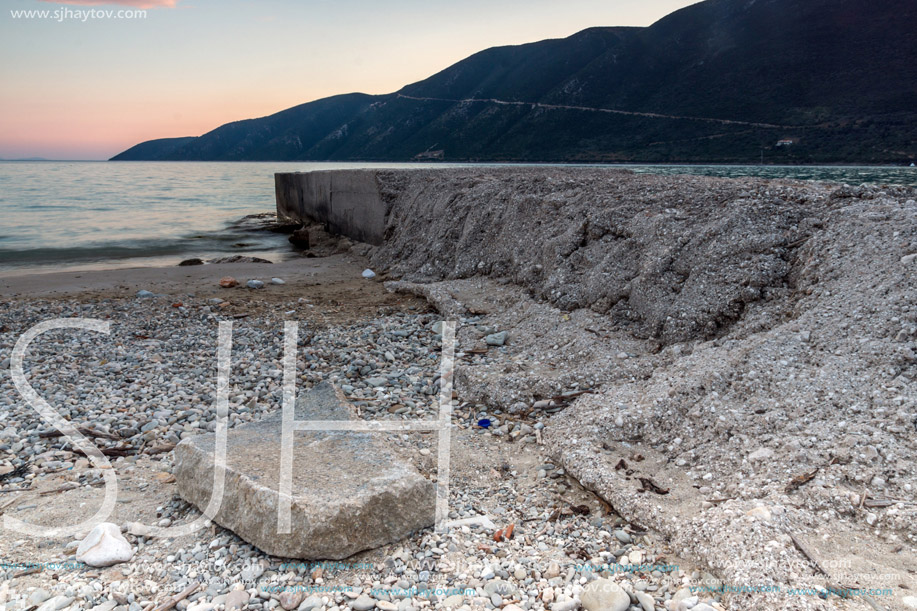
x=347, y=202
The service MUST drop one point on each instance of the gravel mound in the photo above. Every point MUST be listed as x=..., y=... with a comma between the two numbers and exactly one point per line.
x=676, y=259
x=750, y=347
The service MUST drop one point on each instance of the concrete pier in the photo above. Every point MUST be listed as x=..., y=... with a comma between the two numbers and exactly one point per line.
x=347, y=202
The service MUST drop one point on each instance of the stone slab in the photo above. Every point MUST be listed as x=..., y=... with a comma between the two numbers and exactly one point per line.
x=351, y=490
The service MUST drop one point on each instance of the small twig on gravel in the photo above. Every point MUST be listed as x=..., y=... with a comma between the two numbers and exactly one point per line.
x=61, y=489
x=808, y=554
x=116, y=451
x=885, y=502
x=88, y=432
x=864, y=496
x=7, y=504
x=165, y=606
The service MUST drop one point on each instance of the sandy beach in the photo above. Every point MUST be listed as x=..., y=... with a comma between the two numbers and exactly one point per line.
x=327, y=279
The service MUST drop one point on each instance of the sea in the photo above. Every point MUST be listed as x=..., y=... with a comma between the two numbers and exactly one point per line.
x=102, y=215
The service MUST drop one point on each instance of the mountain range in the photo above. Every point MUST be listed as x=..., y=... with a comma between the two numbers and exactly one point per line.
x=734, y=81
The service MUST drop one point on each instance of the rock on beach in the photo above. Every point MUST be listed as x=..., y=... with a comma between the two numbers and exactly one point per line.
x=605, y=595
x=104, y=546
x=350, y=491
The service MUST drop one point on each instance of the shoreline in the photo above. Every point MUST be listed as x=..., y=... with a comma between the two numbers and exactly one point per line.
x=173, y=279
x=310, y=284
x=434, y=164
x=139, y=263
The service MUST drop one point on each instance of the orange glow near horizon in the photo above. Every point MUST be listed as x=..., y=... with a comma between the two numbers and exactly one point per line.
x=102, y=127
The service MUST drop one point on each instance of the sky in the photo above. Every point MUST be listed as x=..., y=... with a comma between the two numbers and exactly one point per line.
x=87, y=79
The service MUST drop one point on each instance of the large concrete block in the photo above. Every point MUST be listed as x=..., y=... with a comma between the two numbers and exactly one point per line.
x=351, y=491
x=348, y=202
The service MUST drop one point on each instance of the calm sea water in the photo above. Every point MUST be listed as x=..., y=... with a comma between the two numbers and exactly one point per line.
x=90, y=215
x=100, y=214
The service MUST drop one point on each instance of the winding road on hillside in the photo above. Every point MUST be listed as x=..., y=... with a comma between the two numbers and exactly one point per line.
x=651, y=115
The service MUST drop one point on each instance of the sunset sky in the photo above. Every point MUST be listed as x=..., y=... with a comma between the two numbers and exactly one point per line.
x=78, y=87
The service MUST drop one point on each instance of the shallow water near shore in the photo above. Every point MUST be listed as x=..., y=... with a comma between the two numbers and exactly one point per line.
x=92, y=215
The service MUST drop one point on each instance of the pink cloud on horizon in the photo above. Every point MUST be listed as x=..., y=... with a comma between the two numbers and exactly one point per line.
x=144, y=4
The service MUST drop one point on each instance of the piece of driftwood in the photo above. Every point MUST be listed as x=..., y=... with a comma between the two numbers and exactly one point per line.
x=168, y=604
x=88, y=432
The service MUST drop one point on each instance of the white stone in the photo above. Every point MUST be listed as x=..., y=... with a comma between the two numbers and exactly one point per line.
x=310, y=603
x=104, y=546
x=761, y=454
x=646, y=601
x=38, y=596
x=368, y=273
x=605, y=595
x=237, y=599
x=56, y=603
x=759, y=513
x=278, y=281
x=548, y=595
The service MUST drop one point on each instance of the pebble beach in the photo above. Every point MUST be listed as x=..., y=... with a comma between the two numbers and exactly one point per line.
x=151, y=382
x=630, y=431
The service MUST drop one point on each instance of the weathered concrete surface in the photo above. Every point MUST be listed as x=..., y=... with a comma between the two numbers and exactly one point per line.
x=347, y=202
x=351, y=492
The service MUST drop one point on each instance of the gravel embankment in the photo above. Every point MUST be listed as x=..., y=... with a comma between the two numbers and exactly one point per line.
x=754, y=341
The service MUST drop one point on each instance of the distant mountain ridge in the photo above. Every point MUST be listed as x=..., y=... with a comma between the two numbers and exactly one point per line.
x=157, y=149
x=719, y=81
